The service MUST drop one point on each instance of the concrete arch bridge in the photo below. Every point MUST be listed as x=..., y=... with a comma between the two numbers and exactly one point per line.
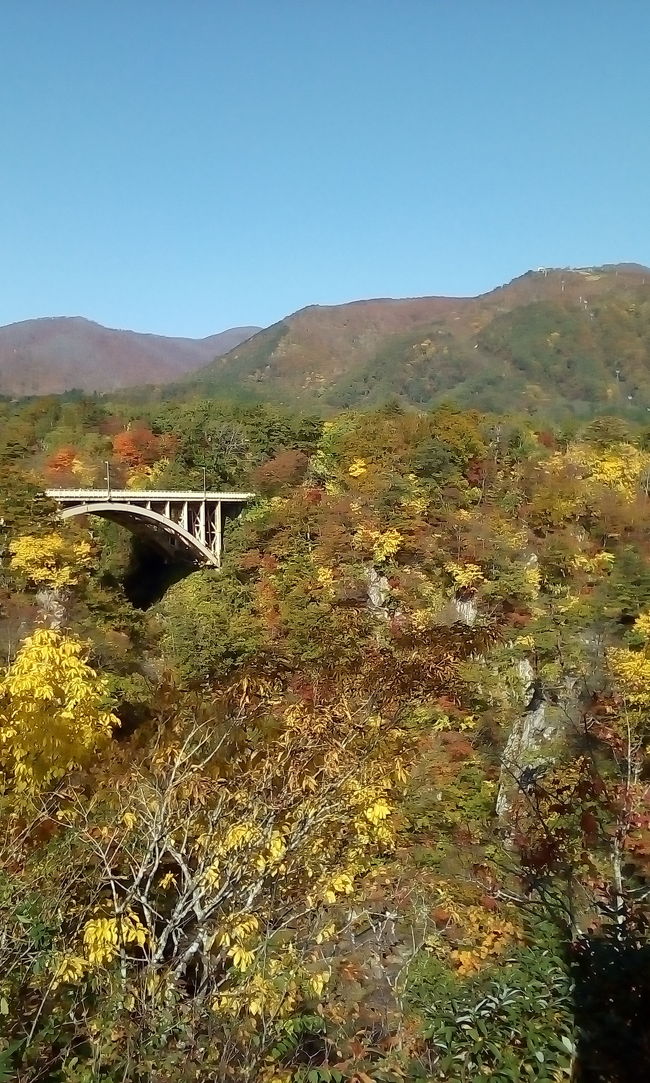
x=186, y=526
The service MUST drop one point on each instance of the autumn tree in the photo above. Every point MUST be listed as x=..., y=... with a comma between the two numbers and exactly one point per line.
x=54, y=711
x=212, y=884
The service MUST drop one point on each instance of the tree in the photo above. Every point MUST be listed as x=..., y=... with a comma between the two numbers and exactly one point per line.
x=49, y=560
x=202, y=897
x=54, y=711
x=208, y=626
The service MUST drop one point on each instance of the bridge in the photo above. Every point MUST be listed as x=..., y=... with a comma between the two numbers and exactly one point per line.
x=184, y=525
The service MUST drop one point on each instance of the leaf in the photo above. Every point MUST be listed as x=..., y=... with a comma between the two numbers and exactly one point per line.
x=7, y=1074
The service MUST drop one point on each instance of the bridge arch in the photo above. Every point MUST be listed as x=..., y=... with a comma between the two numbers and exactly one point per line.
x=151, y=524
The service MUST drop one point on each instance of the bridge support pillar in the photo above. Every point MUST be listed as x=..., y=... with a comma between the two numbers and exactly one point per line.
x=218, y=531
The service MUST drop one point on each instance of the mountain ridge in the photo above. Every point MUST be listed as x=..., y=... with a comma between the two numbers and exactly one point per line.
x=571, y=338
x=54, y=354
x=423, y=349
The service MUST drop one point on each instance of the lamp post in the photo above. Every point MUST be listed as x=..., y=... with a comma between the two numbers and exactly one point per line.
x=108, y=479
x=205, y=484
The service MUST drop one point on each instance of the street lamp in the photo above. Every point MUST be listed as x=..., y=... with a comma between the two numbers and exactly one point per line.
x=108, y=479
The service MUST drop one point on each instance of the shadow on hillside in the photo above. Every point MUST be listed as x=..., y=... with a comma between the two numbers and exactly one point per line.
x=611, y=973
x=149, y=574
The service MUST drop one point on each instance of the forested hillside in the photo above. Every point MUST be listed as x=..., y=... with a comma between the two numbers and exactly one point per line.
x=560, y=342
x=368, y=804
x=57, y=354
x=552, y=343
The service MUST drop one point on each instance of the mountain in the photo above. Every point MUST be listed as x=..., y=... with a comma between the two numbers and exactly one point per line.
x=51, y=355
x=552, y=339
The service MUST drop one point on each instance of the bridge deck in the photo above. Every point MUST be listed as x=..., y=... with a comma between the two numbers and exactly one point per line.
x=157, y=495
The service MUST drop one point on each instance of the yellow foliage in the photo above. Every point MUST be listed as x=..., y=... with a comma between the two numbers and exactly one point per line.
x=444, y=724
x=275, y=988
x=53, y=710
x=318, y=981
x=103, y=937
x=325, y=580
x=632, y=671
x=642, y=625
x=239, y=835
x=465, y=575
x=532, y=579
x=50, y=560
x=326, y=933
x=145, y=477
x=620, y=468
x=325, y=576
x=286, y=829
x=489, y=935
x=378, y=812
x=67, y=968
x=596, y=563
x=340, y=884
x=416, y=506
x=357, y=468
x=383, y=544
x=417, y=502
x=241, y=957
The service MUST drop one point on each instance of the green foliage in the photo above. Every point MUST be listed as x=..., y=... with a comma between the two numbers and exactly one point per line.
x=509, y=1023
x=454, y=443
x=207, y=626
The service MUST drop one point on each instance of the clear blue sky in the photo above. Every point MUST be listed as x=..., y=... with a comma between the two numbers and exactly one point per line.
x=182, y=166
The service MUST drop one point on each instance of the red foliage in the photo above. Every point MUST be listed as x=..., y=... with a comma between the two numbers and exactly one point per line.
x=476, y=471
x=457, y=747
x=285, y=468
x=488, y=902
x=250, y=561
x=60, y=463
x=441, y=916
x=139, y=446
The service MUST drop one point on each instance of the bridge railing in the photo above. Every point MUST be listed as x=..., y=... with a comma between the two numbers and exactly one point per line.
x=138, y=495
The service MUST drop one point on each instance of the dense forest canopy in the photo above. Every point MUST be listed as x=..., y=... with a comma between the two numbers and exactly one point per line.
x=370, y=802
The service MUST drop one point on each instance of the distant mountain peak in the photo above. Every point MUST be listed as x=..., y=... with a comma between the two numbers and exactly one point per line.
x=52, y=354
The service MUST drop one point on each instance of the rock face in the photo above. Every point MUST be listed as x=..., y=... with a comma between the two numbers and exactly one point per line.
x=544, y=721
x=378, y=592
x=465, y=610
x=523, y=750
x=52, y=608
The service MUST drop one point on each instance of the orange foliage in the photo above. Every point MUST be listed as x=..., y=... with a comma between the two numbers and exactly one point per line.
x=61, y=462
x=139, y=446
